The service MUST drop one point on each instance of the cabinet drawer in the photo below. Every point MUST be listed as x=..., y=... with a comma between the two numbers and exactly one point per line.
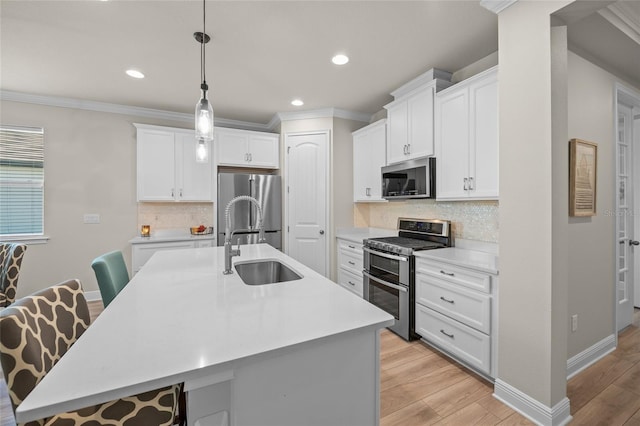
x=350, y=259
x=348, y=246
x=455, y=274
x=465, y=343
x=467, y=306
x=350, y=281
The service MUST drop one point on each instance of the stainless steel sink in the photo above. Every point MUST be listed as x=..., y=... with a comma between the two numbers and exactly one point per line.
x=265, y=271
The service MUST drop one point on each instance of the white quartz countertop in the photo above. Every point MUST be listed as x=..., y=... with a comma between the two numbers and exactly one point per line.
x=478, y=260
x=168, y=235
x=180, y=318
x=356, y=235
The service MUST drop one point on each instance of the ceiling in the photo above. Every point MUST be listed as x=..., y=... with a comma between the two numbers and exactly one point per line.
x=263, y=54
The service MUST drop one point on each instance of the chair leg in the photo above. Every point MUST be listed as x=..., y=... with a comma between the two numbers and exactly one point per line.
x=182, y=407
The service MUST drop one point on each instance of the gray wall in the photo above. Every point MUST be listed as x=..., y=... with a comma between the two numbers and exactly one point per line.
x=90, y=167
x=591, y=239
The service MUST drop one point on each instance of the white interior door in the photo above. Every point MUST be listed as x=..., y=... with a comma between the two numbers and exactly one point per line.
x=627, y=246
x=307, y=165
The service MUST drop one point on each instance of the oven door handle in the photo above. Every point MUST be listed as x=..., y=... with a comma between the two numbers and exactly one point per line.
x=385, y=283
x=388, y=256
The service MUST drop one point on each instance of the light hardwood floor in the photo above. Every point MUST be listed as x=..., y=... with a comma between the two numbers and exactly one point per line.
x=419, y=386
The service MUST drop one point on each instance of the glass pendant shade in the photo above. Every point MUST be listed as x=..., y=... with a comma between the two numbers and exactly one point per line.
x=202, y=151
x=204, y=118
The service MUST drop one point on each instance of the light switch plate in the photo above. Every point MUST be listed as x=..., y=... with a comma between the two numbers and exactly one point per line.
x=91, y=218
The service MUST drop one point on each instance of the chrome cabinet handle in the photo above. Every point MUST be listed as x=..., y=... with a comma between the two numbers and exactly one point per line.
x=385, y=255
x=353, y=284
x=634, y=242
x=446, y=334
x=250, y=157
x=368, y=192
x=466, y=184
x=408, y=148
x=450, y=274
x=322, y=232
x=470, y=184
x=180, y=192
x=350, y=246
x=446, y=300
x=172, y=192
x=351, y=263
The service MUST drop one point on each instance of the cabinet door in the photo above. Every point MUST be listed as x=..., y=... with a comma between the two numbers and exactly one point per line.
x=264, y=151
x=377, y=159
x=141, y=253
x=233, y=148
x=420, y=110
x=155, y=165
x=360, y=167
x=483, y=146
x=397, y=132
x=452, y=122
x=194, y=179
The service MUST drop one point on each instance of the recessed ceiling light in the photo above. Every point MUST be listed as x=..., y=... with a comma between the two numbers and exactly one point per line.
x=135, y=74
x=340, y=59
x=297, y=102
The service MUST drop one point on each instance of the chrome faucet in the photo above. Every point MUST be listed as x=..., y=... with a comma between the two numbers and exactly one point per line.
x=229, y=251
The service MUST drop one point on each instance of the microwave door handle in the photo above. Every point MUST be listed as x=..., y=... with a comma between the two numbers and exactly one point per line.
x=388, y=256
x=385, y=283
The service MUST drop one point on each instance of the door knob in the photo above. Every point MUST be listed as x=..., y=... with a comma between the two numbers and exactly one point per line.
x=634, y=243
x=321, y=232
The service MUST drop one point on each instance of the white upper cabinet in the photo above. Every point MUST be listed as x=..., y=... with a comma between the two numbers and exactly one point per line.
x=410, y=132
x=166, y=166
x=467, y=139
x=247, y=148
x=368, y=157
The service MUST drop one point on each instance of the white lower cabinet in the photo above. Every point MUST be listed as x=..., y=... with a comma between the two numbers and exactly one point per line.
x=350, y=265
x=142, y=252
x=455, y=311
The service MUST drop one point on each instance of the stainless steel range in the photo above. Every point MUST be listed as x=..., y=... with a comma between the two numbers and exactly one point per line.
x=389, y=268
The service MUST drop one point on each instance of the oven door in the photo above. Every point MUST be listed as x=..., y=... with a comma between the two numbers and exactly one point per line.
x=386, y=285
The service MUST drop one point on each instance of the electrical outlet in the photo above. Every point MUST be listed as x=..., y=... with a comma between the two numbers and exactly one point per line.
x=574, y=322
x=91, y=218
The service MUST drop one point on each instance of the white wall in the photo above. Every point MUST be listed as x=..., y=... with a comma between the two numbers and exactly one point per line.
x=528, y=354
x=90, y=167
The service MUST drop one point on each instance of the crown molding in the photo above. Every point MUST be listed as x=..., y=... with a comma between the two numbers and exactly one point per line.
x=320, y=113
x=56, y=101
x=496, y=6
x=623, y=18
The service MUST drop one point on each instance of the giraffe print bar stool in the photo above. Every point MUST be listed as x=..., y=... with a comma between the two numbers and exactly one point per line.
x=37, y=330
x=10, y=260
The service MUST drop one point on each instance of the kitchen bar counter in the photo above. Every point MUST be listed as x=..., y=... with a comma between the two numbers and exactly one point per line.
x=303, y=351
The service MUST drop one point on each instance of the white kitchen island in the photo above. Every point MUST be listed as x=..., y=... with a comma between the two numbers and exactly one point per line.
x=303, y=352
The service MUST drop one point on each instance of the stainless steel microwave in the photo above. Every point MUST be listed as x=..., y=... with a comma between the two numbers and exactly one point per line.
x=410, y=179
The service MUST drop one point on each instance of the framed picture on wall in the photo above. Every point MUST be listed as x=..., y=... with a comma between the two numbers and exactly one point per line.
x=583, y=167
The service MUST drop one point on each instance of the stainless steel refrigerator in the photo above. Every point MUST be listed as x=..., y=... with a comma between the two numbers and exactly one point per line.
x=267, y=189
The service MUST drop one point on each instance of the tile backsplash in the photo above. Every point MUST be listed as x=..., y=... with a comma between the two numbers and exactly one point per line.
x=471, y=220
x=175, y=215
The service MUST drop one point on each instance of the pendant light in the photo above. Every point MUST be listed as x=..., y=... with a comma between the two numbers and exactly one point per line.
x=204, y=110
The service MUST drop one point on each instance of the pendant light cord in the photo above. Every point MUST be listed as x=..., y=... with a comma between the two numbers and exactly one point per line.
x=203, y=56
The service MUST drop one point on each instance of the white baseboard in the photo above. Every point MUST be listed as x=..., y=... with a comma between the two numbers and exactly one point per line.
x=92, y=295
x=558, y=415
x=591, y=355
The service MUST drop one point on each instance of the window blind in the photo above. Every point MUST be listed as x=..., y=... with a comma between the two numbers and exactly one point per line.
x=21, y=181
